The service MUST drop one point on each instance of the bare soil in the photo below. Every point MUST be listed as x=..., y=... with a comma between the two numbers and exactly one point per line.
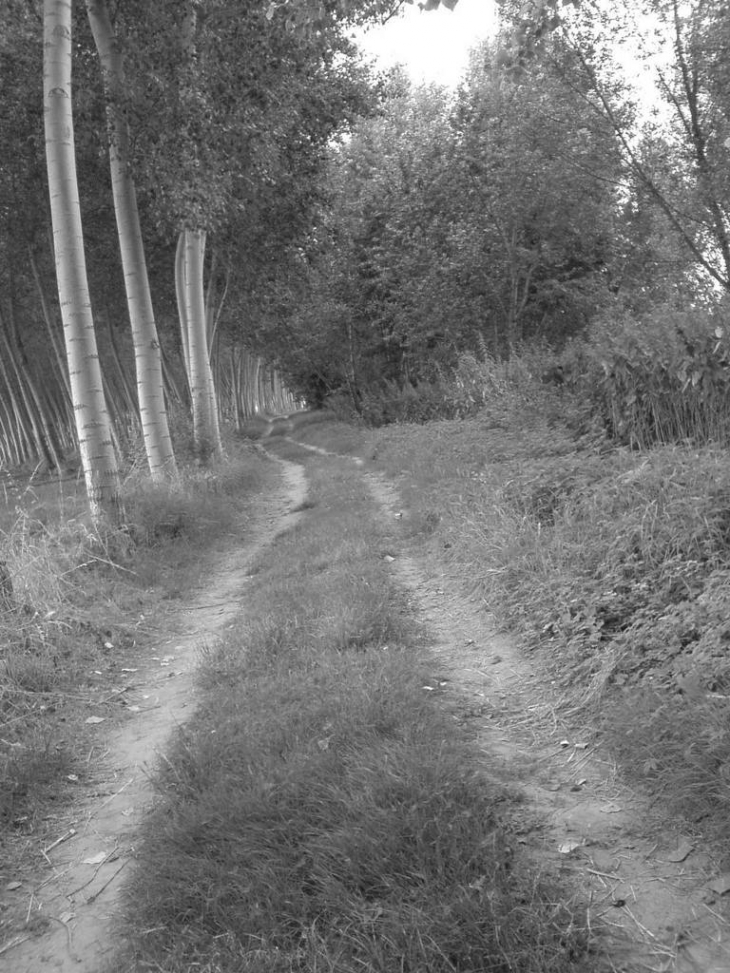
x=648, y=884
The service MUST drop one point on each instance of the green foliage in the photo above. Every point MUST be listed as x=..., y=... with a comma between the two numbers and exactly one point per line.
x=453, y=223
x=663, y=378
x=412, y=402
x=613, y=563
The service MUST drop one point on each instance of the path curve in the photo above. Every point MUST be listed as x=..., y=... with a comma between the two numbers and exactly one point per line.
x=77, y=901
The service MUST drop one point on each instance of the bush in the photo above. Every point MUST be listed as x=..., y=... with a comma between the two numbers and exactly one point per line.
x=475, y=384
x=662, y=378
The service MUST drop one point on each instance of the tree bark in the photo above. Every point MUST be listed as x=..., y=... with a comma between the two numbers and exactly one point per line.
x=98, y=458
x=148, y=360
x=189, y=267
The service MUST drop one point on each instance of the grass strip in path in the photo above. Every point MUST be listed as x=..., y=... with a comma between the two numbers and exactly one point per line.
x=611, y=565
x=321, y=812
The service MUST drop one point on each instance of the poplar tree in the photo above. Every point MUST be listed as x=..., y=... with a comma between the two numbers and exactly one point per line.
x=92, y=420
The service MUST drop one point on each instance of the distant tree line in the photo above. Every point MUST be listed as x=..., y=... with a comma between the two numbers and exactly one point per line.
x=548, y=199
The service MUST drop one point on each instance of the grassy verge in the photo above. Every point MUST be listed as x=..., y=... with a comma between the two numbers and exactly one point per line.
x=612, y=563
x=74, y=609
x=320, y=813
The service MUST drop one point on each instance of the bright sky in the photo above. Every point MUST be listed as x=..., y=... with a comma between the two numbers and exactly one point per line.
x=433, y=46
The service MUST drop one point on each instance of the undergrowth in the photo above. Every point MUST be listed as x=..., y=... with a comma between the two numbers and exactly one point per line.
x=612, y=562
x=74, y=604
x=321, y=812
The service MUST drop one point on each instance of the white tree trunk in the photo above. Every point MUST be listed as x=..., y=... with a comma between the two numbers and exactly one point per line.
x=92, y=419
x=147, y=356
x=189, y=267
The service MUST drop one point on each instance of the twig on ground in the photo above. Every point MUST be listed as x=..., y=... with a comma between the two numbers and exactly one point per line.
x=64, y=837
x=108, y=882
x=12, y=943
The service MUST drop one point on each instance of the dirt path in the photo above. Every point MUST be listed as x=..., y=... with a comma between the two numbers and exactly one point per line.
x=73, y=907
x=652, y=906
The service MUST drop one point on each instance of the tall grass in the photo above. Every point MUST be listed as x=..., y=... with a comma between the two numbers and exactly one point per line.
x=320, y=812
x=660, y=379
x=612, y=562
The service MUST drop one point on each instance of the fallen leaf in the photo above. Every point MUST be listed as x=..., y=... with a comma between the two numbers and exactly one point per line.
x=721, y=884
x=680, y=853
x=581, y=746
x=96, y=859
x=564, y=743
x=94, y=719
x=568, y=846
x=610, y=809
x=66, y=917
x=12, y=886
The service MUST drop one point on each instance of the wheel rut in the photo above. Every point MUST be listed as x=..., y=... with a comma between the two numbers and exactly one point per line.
x=75, y=903
x=645, y=882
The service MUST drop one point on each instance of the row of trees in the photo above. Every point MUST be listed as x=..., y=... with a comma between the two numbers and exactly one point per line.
x=275, y=206
x=552, y=193
x=192, y=133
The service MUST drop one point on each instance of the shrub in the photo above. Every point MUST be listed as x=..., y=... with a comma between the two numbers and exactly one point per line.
x=664, y=378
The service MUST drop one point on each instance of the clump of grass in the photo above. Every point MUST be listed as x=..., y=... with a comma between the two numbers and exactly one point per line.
x=679, y=748
x=321, y=812
x=253, y=428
